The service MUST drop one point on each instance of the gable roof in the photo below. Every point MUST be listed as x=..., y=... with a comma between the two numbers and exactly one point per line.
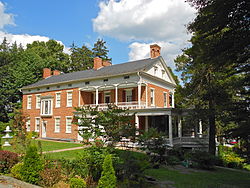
x=117, y=69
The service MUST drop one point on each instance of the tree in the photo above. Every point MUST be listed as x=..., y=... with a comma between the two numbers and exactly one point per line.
x=215, y=69
x=100, y=50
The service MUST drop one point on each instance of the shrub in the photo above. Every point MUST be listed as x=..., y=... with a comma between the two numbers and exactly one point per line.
x=16, y=170
x=32, y=166
x=108, y=178
x=51, y=174
x=7, y=160
x=61, y=184
x=77, y=183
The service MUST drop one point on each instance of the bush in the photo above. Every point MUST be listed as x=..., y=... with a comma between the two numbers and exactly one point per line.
x=77, y=183
x=201, y=159
x=32, y=166
x=16, y=170
x=51, y=174
x=7, y=160
x=108, y=178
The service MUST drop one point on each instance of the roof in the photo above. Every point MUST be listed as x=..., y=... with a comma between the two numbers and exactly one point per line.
x=117, y=69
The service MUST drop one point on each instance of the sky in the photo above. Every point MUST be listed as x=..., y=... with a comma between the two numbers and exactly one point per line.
x=127, y=26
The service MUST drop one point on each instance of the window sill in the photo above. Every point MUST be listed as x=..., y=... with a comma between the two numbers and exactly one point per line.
x=46, y=115
x=69, y=106
x=57, y=132
x=68, y=132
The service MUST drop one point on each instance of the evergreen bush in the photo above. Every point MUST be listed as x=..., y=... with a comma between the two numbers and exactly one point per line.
x=16, y=170
x=77, y=183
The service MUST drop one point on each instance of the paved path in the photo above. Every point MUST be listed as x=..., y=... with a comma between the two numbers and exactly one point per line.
x=67, y=149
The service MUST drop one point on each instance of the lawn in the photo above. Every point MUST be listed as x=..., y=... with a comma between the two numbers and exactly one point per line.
x=218, y=178
x=51, y=145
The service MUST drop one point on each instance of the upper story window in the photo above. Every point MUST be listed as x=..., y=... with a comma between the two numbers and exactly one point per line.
x=152, y=97
x=58, y=100
x=38, y=101
x=69, y=98
x=106, y=80
x=170, y=99
x=107, y=97
x=29, y=102
x=126, y=77
x=37, y=125
x=129, y=95
x=87, y=83
x=68, y=124
x=165, y=99
x=46, y=107
x=155, y=70
x=57, y=124
x=28, y=125
x=163, y=73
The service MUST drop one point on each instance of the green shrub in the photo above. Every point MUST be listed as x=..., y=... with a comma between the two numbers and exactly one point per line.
x=16, y=170
x=7, y=160
x=108, y=178
x=32, y=166
x=77, y=183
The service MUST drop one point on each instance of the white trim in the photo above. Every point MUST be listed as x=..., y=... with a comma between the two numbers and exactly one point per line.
x=69, y=105
x=37, y=130
x=69, y=91
x=28, y=127
x=29, y=103
x=165, y=93
x=38, y=95
x=55, y=128
x=152, y=89
x=56, y=105
x=50, y=107
x=66, y=130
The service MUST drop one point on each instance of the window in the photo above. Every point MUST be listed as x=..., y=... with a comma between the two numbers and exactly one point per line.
x=68, y=124
x=106, y=80
x=57, y=124
x=152, y=96
x=107, y=97
x=129, y=95
x=69, y=85
x=38, y=101
x=163, y=73
x=165, y=99
x=69, y=98
x=126, y=77
x=37, y=125
x=29, y=99
x=155, y=70
x=170, y=99
x=86, y=83
x=58, y=100
x=28, y=125
x=46, y=105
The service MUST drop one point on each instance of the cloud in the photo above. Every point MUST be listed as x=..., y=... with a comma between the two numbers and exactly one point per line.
x=143, y=22
x=6, y=19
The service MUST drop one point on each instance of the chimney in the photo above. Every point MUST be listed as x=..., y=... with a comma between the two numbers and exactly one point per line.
x=106, y=63
x=155, y=51
x=98, y=63
x=46, y=73
x=56, y=72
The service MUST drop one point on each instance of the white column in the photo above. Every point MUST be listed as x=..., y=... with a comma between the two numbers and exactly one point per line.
x=116, y=94
x=170, y=130
x=146, y=123
x=200, y=128
x=79, y=98
x=96, y=96
x=146, y=96
x=179, y=127
x=139, y=94
x=137, y=124
x=173, y=100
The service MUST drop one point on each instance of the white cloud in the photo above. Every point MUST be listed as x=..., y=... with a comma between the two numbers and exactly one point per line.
x=143, y=22
x=6, y=19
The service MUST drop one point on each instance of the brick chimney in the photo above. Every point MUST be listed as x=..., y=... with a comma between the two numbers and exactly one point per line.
x=46, y=73
x=155, y=51
x=56, y=72
x=98, y=63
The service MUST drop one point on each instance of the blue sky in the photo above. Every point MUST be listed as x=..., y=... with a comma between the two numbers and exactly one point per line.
x=128, y=26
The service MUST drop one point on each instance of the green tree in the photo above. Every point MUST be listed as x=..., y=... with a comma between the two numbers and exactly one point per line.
x=215, y=69
x=100, y=50
x=108, y=178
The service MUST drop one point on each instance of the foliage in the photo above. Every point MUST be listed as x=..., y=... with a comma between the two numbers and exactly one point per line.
x=32, y=166
x=77, y=183
x=7, y=160
x=201, y=159
x=51, y=174
x=112, y=124
x=108, y=178
x=16, y=170
x=100, y=50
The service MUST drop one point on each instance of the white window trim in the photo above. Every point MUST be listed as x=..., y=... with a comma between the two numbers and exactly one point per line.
x=152, y=104
x=107, y=93
x=165, y=93
x=43, y=107
x=126, y=92
x=67, y=117
x=29, y=97
x=58, y=106
x=38, y=95
x=36, y=124
x=28, y=120
x=55, y=130
x=70, y=91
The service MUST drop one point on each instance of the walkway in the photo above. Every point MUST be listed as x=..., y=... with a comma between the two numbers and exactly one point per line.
x=67, y=149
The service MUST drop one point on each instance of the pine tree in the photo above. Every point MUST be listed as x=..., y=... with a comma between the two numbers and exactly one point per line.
x=100, y=50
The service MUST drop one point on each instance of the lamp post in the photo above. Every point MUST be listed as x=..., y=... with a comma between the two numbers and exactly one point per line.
x=7, y=136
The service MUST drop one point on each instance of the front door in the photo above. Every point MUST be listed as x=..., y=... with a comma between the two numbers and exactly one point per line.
x=44, y=126
x=107, y=98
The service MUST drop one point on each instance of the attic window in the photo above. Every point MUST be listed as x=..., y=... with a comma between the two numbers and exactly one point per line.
x=106, y=80
x=69, y=85
x=47, y=88
x=86, y=83
x=58, y=86
x=163, y=73
x=155, y=70
x=38, y=89
x=126, y=77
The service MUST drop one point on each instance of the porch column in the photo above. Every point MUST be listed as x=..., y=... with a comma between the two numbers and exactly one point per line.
x=116, y=94
x=146, y=123
x=170, y=130
x=200, y=128
x=96, y=96
x=139, y=94
x=146, y=95
x=137, y=124
x=179, y=127
x=173, y=100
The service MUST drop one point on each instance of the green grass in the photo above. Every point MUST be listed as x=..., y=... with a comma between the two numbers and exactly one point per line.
x=72, y=154
x=219, y=178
